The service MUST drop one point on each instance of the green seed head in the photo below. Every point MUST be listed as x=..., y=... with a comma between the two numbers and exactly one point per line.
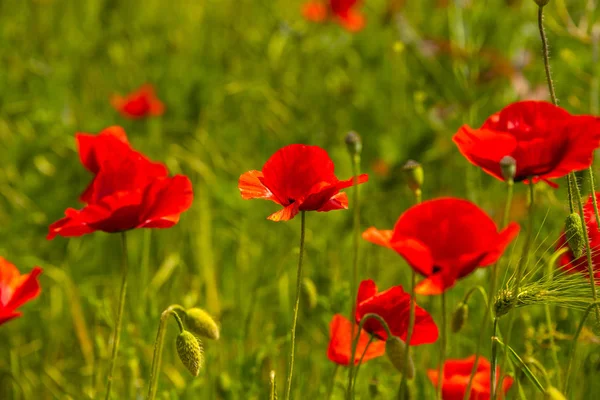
x=200, y=323
x=396, y=349
x=354, y=143
x=189, y=349
x=504, y=302
x=309, y=294
x=459, y=317
x=542, y=3
x=508, y=166
x=413, y=172
x=574, y=234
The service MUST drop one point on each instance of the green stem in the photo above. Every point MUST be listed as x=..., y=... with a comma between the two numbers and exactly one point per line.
x=273, y=395
x=546, y=54
x=158, y=346
x=360, y=361
x=574, y=345
x=494, y=361
x=547, y=311
x=296, y=305
x=332, y=382
x=119, y=324
x=443, y=338
x=593, y=192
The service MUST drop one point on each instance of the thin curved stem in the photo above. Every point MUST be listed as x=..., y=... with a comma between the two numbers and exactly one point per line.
x=332, y=382
x=547, y=311
x=494, y=361
x=158, y=346
x=119, y=324
x=593, y=193
x=360, y=361
x=546, y=54
x=296, y=306
x=443, y=339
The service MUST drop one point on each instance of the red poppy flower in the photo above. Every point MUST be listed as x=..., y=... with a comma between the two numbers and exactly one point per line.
x=444, y=240
x=340, y=343
x=300, y=178
x=456, y=379
x=128, y=190
x=342, y=11
x=16, y=289
x=393, y=305
x=139, y=104
x=546, y=141
x=568, y=262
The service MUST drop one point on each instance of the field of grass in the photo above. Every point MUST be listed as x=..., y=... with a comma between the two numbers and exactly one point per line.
x=241, y=79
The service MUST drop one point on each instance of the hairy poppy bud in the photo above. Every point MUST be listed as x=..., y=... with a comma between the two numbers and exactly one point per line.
x=553, y=393
x=189, y=349
x=542, y=3
x=309, y=294
x=413, y=171
x=354, y=143
x=459, y=317
x=508, y=166
x=396, y=350
x=574, y=234
x=200, y=323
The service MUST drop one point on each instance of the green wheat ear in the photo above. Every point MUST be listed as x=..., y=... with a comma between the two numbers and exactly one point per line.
x=309, y=294
x=395, y=349
x=189, y=349
x=574, y=233
x=200, y=323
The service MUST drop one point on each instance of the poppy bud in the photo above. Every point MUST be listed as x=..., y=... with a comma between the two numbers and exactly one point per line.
x=574, y=234
x=396, y=349
x=553, y=393
x=309, y=294
x=508, y=165
x=542, y=3
x=459, y=317
x=354, y=143
x=413, y=171
x=189, y=349
x=200, y=323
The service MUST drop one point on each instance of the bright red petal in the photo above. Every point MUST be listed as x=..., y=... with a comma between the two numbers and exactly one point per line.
x=340, y=343
x=28, y=290
x=314, y=11
x=285, y=214
x=379, y=237
x=165, y=200
x=251, y=187
x=353, y=21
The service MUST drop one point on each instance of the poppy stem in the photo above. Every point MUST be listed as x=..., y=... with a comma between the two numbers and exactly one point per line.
x=296, y=305
x=355, y=239
x=546, y=54
x=444, y=335
x=494, y=361
x=158, y=346
x=574, y=345
x=365, y=318
x=362, y=356
x=549, y=277
x=273, y=395
x=332, y=382
x=593, y=193
x=119, y=324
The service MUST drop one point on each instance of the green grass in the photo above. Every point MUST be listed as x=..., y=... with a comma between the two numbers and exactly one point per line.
x=241, y=79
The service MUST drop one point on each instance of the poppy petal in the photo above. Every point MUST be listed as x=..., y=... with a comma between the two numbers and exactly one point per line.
x=378, y=237
x=28, y=290
x=505, y=237
x=285, y=214
x=168, y=198
x=416, y=254
x=251, y=187
x=366, y=290
x=337, y=202
x=340, y=343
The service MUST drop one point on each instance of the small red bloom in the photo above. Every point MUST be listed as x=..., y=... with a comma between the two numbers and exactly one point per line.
x=444, y=240
x=342, y=11
x=16, y=289
x=128, y=190
x=300, y=178
x=456, y=379
x=340, y=343
x=546, y=141
x=393, y=305
x=568, y=262
x=139, y=104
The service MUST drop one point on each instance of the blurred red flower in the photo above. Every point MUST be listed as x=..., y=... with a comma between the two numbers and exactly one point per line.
x=568, y=262
x=300, y=178
x=139, y=104
x=456, y=379
x=546, y=141
x=342, y=11
x=340, y=343
x=393, y=305
x=128, y=190
x=16, y=289
x=444, y=240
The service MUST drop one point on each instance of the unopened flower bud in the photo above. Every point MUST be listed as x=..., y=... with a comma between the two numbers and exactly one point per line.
x=542, y=3
x=508, y=166
x=309, y=294
x=189, y=349
x=413, y=171
x=200, y=323
x=574, y=234
x=553, y=393
x=459, y=317
x=396, y=350
x=354, y=143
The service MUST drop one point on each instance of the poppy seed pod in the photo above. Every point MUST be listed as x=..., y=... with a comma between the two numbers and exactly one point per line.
x=200, y=323
x=189, y=349
x=553, y=393
x=396, y=350
x=413, y=171
x=508, y=166
x=354, y=143
x=574, y=233
x=309, y=294
x=542, y=3
x=459, y=317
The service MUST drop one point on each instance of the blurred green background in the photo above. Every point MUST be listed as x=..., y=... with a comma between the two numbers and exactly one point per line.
x=240, y=79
